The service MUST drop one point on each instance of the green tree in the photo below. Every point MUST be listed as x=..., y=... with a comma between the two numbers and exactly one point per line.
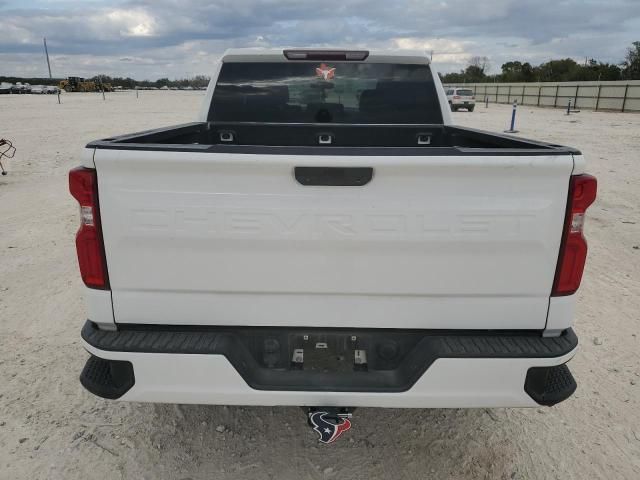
x=453, y=77
x=601, y=71
x=474, y=73
x=476, y=70
x=631, y=64
x=517, y=72
x=565, y=70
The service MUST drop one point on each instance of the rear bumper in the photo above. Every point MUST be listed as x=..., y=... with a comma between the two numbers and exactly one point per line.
x=229, y=366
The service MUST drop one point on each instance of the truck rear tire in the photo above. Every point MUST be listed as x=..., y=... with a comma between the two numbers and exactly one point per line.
x=471, y=108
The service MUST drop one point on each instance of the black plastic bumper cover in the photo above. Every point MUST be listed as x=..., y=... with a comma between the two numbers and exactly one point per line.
x=550, y=385
x=107, y=378
x=262, y=356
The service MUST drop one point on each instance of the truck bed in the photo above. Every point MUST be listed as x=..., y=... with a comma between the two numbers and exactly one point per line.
x=354, y=140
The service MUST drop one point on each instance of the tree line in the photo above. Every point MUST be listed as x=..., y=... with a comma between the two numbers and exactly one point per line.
x=564, y=70
x=198, y=81
x=125, y=82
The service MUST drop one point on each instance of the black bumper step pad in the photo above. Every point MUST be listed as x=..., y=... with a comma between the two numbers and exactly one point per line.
x=107, y=378
x=550, y=385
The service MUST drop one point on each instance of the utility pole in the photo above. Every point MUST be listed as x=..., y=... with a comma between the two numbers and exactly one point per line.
x=46, y=52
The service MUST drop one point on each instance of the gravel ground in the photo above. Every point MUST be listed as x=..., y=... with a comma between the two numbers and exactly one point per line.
x=50, y=428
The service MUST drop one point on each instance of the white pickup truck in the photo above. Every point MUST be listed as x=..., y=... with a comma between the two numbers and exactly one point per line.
x=324, y=236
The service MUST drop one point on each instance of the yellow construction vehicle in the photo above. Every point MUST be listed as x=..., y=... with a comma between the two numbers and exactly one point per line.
x=78, y=84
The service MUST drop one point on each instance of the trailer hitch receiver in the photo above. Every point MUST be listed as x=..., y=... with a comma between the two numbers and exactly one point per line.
x=329, y=422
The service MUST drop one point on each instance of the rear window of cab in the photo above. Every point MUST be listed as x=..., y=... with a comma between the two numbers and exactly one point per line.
x=325, y=92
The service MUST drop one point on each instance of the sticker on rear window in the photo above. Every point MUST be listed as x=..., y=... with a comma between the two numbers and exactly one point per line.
x=325, y=71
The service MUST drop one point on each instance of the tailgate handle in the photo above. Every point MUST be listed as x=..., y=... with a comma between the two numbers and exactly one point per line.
x=334, y=176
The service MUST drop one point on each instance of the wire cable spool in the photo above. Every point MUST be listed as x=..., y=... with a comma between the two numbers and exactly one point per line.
x=7, y=150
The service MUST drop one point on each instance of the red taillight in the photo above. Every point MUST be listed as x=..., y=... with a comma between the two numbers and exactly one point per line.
x=573, y=249
x=83, y=185
x=456, y=97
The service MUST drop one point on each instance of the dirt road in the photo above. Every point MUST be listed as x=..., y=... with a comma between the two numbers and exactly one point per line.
x=50, y=428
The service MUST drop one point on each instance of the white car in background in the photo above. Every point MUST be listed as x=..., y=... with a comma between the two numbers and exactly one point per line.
x=39, y=89
x=21, y=88
x=51, y=89
x=461, y=98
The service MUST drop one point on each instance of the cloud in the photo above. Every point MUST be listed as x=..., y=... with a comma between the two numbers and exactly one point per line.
x=155, y=38
x=130, y=23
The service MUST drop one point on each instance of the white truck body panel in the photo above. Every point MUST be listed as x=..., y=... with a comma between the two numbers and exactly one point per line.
x=99, y=307
x=560, y=317
x=432, y=242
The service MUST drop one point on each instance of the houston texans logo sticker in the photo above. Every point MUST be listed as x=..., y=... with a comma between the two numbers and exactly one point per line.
x=326, y=72
x=329, y=432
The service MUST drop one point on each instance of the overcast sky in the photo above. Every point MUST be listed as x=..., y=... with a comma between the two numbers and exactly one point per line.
x=148, y=39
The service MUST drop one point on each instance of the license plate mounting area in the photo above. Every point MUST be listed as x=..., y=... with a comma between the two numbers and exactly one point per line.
x=328, y=352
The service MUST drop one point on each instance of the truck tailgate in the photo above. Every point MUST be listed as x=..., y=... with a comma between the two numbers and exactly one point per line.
x=448, y=242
